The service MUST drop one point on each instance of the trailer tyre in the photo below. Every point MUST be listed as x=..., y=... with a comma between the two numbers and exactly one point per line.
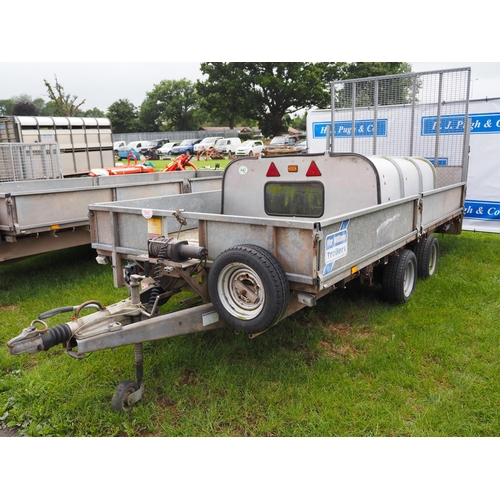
x=119, y=402
x=248, y=288
x=399, y=277
x=427, y=252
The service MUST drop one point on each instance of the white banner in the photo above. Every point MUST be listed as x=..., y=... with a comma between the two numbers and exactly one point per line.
x=482, y=206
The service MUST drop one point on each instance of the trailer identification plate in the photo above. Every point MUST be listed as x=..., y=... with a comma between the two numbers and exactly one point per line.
x=210, y=318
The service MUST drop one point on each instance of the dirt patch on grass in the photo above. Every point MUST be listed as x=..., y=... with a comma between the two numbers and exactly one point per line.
x=344, y=339
x=8, y=431
x=10, y=307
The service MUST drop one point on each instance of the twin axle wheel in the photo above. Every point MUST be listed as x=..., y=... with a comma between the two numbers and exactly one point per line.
x=400, y=274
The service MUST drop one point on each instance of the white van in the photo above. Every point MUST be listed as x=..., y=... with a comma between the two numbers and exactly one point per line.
x=137, y=145
x=118, y=144
x=228, y=146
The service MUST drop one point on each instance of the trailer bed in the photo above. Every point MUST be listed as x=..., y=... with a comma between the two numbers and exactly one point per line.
x=315, y=253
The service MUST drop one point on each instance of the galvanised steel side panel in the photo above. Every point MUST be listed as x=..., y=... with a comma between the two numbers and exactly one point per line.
x=293, y=247
x=154, y=189
x=135, y=219
x=38, y=212
x=363, y=237
x=101, y=228
x=221, y=235
x=297, y=251
x=440, y=205
x=47, y=185
x=206, y=184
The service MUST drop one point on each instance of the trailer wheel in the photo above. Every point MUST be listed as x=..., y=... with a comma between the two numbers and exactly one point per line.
x=119, y=402
x=248, y=288
x=399, y=277
x=427, y=252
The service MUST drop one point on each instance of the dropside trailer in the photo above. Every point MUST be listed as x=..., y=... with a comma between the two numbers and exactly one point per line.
x=283, y=232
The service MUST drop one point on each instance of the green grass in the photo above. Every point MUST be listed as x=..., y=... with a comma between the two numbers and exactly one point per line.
x=352, y=366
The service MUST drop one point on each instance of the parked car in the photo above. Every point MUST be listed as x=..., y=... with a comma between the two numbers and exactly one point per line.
x=249, y=148
x=302, y=146
x=282, y=144
x=228, y=146
x=284, y=140
x=124, y=152
x=207, y=142
x=155, y=144
x=185, y=147
x=134, y=145
x=166, y=149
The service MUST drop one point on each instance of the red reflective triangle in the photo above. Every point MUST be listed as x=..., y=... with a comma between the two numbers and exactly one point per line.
x=273, y=171
x=313, y=170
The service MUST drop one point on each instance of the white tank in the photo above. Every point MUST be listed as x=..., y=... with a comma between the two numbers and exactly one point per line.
x=403, y=176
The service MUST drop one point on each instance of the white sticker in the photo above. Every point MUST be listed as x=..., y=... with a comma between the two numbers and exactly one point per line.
x=147, y=213
x=210, y=318
x=243, y=170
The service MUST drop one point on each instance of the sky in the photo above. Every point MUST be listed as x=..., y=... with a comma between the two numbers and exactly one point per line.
x=102, y=83
x=78, y=45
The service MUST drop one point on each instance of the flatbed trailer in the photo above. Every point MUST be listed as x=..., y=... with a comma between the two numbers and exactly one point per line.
x=281, y=233
x=249, y=272
x=38, y=216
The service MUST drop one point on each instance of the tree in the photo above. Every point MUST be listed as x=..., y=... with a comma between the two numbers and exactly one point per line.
x=283, y=88
x=24, y=108
x=371, y=69
x=149, y=115
x=23, y=105
x=267, y=91
x=6, y=107
x=123, y=116
x=175, y=102
x=299, y=122
x=223, y=94
x=270, y=91
x=64, y=103
x=92, y=113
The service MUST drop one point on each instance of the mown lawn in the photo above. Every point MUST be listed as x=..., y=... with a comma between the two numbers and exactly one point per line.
x=352, y=366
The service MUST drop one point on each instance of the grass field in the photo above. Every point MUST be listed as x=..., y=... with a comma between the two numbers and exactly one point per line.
x=351, y=366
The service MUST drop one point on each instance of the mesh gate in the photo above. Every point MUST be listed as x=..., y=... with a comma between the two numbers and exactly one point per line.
x=29, y=161
x=416, y=114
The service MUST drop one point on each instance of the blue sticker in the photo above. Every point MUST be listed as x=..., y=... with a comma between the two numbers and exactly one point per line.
x=335, y=247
